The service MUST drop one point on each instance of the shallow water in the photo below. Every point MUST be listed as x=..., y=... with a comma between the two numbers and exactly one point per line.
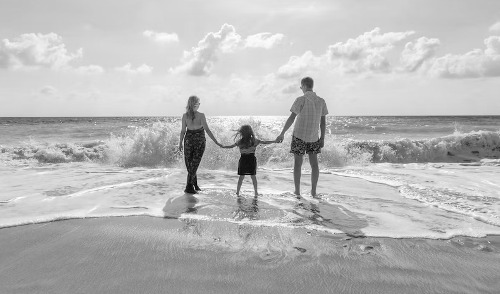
x=381, y=177
x=355, y=201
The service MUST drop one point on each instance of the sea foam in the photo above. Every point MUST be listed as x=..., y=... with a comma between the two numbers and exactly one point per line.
x=156, y=145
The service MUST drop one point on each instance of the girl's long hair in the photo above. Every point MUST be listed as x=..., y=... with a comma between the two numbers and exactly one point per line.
x=190, y=106
x=244, y=137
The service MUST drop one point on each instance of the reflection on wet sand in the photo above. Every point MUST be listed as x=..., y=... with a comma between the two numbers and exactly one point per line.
x=176, y=206
x=331, y=216
x=247, y=208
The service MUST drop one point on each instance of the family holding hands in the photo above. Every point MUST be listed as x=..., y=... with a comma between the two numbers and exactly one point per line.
x=308, y=112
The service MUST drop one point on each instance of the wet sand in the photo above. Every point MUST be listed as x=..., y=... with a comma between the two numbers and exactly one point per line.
x=155, y=255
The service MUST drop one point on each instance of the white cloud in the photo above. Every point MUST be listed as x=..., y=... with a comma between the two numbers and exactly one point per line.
x=35, y=51
x=492, y=45
x=142, y=69
x=90, y=69
x=263, y=40
x=370, y=52
x=416, y=53
x=473, y=64
x=366, y=53
x=201, y=59
x=297, y=65
x=163, y=38
x=495, y=27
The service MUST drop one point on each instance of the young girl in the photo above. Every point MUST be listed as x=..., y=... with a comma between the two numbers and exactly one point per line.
x=248, y=163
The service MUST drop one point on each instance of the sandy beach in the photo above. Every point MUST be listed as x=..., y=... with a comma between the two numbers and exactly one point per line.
x=153, y=255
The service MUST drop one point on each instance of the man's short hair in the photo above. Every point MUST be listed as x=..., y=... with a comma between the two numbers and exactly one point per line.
x=308, y=82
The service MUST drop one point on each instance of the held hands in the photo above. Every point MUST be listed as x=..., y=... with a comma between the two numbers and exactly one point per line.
x=225, y=147
x=219, y=144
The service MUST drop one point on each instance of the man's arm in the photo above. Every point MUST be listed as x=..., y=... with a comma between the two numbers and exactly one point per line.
x=288, y=124
x=322, y=127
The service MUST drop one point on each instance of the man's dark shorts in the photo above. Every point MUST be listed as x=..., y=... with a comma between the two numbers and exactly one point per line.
x=301, y=147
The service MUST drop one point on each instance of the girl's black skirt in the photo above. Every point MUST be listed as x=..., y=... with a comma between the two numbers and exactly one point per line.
x=247, y=164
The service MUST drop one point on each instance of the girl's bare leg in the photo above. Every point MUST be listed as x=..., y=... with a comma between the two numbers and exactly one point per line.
x=240, y=181
x=254, y=182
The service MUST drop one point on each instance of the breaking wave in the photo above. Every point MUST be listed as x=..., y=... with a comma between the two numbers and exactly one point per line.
x=156, y=145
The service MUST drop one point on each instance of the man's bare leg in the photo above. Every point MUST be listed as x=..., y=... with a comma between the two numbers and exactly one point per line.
x=297, y=172
x=313, y=160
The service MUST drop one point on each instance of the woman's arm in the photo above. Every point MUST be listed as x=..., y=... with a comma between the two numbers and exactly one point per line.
x=183, y=131
x=207, y=129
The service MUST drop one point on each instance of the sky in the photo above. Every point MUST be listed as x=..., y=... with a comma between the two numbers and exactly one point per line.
x=146, y=57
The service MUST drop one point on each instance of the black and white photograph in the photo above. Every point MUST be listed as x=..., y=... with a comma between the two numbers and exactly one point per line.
x=249, y=146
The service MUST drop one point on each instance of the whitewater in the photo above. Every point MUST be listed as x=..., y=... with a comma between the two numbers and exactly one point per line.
x=396, y=177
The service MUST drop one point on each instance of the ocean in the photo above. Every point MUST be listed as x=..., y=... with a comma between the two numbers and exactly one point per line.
x=395, y=177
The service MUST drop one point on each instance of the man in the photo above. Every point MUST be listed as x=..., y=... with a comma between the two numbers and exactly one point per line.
x=310, y=111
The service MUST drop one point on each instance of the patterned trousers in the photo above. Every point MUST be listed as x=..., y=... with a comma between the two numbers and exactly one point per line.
x=194, y=146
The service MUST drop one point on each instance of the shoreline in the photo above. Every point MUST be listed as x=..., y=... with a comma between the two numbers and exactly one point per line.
x=343, y=234
x=141, y=254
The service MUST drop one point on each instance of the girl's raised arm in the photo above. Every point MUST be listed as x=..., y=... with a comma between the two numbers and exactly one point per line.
x=207, y=129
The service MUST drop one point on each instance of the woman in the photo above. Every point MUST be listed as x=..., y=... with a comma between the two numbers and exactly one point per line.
x=194, y=141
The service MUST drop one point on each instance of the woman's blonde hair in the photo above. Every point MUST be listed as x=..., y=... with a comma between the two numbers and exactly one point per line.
x=190, y=106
